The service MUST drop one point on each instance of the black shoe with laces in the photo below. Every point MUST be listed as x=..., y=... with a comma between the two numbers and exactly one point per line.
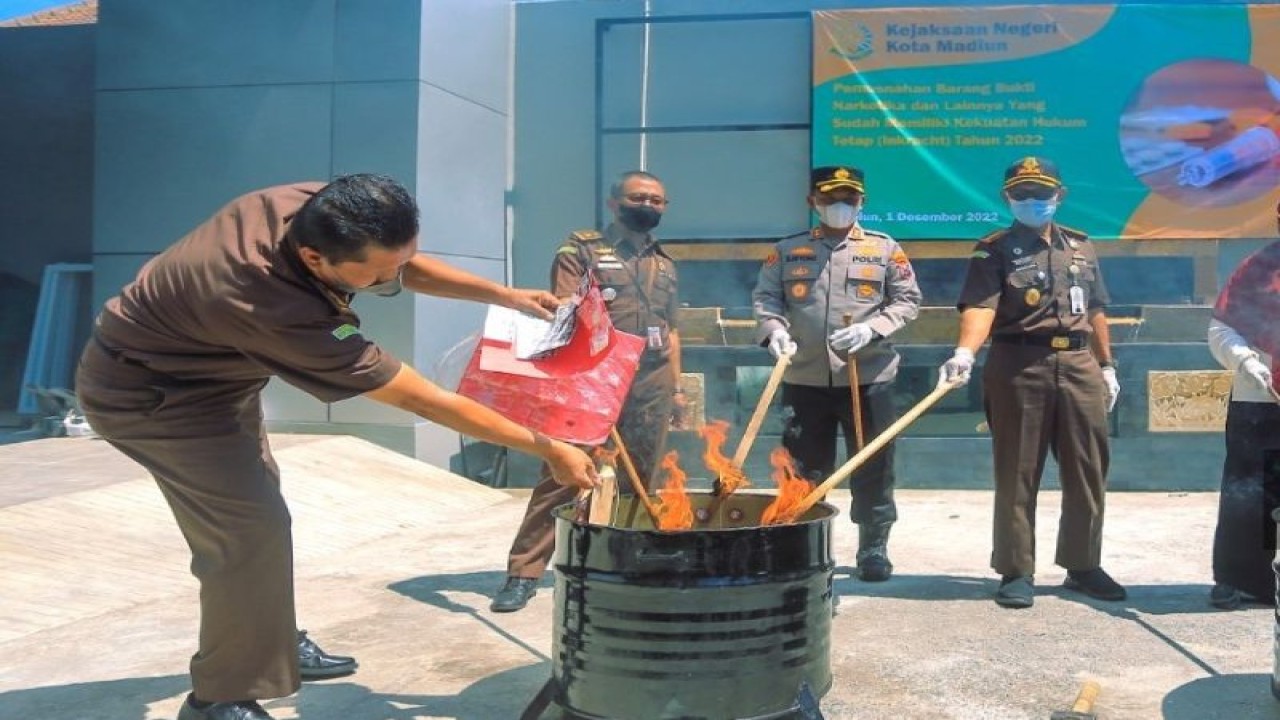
x=515, y=594
x=238, y=710
x=314, y=663
x=1095, y=583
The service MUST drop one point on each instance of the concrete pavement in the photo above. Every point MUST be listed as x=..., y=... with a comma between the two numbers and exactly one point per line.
x=397, y=560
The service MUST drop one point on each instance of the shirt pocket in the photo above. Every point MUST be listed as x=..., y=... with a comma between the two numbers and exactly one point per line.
x=798, y=280
x=1025, y=288
x=1025, y=278
x=866, y=283
x=613, y=282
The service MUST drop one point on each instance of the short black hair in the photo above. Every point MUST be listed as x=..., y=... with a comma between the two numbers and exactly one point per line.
x=615, y=190
x=353, y=212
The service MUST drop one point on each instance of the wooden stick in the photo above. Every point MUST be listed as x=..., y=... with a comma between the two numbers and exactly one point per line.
x=855, y=396
x=642, y=493
x=844, y=471
x=1086, y=697
x=603, y=497
x=762, y=408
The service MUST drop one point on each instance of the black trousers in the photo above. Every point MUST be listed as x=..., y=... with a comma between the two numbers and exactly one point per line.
x=1244, y=543
x=812, y=415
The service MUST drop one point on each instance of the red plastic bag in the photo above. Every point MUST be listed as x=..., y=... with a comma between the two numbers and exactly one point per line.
x=576, y=392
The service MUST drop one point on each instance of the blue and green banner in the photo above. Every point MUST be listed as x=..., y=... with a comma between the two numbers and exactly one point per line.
x=1164, y=120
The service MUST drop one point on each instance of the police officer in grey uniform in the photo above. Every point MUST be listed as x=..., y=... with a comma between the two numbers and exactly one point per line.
x=830, y=294
x=1036, y=288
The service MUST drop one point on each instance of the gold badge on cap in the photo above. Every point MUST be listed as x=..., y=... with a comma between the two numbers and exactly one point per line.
x=1030, y=166
x=1032, y=297
x=842, y=174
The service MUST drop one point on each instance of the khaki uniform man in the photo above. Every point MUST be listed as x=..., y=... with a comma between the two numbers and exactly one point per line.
x=639, y=284
x=1036, y=288
x=834, y=293
x=173, y=378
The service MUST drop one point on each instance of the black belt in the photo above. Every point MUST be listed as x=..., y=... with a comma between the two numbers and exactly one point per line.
x=1070, y=341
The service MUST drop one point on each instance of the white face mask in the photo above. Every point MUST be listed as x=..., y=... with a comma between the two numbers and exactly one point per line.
x=838, y=215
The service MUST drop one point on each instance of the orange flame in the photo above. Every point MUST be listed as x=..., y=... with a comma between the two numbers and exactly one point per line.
x=675, y=511
x=792, y=488
x=729, y=476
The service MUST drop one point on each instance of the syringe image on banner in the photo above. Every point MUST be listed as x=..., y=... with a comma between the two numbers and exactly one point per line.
x=1246, y=150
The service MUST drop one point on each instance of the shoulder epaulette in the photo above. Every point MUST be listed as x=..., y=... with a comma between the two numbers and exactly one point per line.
x=793, y=236
x=876, y=233
x=993, y=236
x=586, y=236
x=1074, y=233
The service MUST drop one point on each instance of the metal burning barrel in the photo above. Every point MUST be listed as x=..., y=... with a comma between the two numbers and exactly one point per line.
x=727, y=623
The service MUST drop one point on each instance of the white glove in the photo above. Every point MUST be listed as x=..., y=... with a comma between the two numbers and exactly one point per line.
x=1257, y=371
x=957, y=369
x=780, y=343
x=852, y=338
x=1113, y=387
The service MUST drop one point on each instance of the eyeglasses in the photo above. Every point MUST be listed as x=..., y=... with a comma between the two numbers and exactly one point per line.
x=644, y=199
x=1040, y=193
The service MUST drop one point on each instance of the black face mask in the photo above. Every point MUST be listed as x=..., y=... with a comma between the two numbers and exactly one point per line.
x=639, y=218
x=389, y=288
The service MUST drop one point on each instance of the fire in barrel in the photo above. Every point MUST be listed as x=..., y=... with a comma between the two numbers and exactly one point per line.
x=673, y=619
x=707, y=606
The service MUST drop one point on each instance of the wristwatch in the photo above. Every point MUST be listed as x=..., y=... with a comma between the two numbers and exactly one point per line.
x=1109, y=363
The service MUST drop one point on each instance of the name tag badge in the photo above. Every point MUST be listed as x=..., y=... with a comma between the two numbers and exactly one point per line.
x=1076, y=294
x=654, y=335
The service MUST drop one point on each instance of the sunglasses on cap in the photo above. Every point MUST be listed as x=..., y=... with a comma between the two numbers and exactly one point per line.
x=1032, y=192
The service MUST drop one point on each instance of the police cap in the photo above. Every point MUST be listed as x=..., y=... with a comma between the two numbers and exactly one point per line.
x=831, y=177
x=1033, y=170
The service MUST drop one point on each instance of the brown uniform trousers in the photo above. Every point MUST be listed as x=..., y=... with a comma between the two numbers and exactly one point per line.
x=643, y=426
x=1038, y=399
x=214, y=467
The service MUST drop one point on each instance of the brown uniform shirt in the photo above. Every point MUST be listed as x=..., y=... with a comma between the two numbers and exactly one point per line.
x=231, y=305
x=1028, y=281
x=639, y=284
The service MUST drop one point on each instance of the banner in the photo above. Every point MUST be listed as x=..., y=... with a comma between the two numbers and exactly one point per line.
x=1163, y=119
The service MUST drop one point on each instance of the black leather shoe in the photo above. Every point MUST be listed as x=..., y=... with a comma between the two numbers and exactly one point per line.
x=1228, y=597
x=1016, y=591
x=873, y=552
x=1095, y=583
x=875, y=567
x=239, y=710
x=314, y=663
x=514, y=595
